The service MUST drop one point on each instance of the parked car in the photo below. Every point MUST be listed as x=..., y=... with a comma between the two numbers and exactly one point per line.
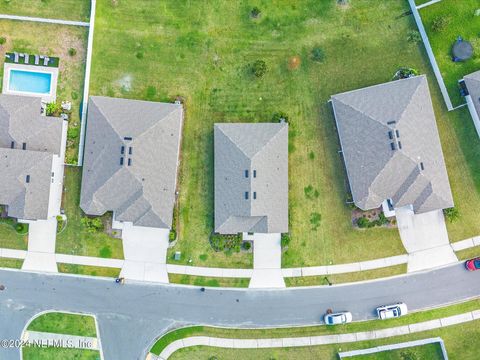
x=473, y=264
x=338, y=318
x=392, y=311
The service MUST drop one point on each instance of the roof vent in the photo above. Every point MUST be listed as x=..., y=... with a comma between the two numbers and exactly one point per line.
x=246, y=195
x=390, y=122
x=254, y=195
x=129, y=162
x=127, y=138
x=121, y=161
x=12, y=144
x=122, y=150
x=24, y=146
x=399, y=144
x=392, y=145
x=27, y=179
x=130, y=149
x=421, y=166
x=254, y=173
x=246, y=173
x=390, y=135
x=397, y=133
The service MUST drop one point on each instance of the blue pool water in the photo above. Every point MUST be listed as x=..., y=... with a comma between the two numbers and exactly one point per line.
x=30, y=81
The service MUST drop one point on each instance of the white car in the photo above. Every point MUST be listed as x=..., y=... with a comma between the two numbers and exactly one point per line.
x=392, y=311
x=338, y=318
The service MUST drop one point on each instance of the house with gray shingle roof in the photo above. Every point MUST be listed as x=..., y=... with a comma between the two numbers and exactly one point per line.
x=391, y=147
x=131, y=160
x=32, y=152
x=251, y=178
x=472, y=83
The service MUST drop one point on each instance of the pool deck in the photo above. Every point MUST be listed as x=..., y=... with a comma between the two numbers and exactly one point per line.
x=47, y=98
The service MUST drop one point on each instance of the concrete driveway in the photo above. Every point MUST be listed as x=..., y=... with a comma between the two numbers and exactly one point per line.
x=267, y=262
x=145, y=251
x=425, y=238
x=42, y=235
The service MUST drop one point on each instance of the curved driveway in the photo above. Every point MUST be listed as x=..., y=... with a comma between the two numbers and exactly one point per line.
x=131, y=316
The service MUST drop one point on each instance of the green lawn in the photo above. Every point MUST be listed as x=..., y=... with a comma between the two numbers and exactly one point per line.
x=427, y=352
x=312, y=330
x=55, y=40
x=208, y=281
x=468, y=253
x=63, y=323
x=347, y=277
x=88, y=270
x=75, y=239
x=10, y=238
x=461, y=21
x=11, y=263
x=65, y=9
x=50, y=353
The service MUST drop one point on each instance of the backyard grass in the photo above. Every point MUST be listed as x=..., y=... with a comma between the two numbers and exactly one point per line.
x=78, y=10
x=53, y=40
x=11, y=263
x=88, y=270
x=208, y=281
x=347, y=277
x=75, y=239
x=427, y=352
x=468, y=253
x=51, y=353
x=460, y=21
x=202, y=52
x=63, y=323
x=312, y=330
x=10, y=238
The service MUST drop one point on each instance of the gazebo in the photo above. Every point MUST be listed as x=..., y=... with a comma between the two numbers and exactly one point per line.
x=461, y=50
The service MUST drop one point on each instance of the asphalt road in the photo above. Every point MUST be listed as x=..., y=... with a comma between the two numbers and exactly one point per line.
x=131, y=316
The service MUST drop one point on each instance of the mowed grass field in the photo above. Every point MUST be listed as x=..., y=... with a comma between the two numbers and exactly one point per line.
x=460, y=21
x=202, y=52
x=78, y=10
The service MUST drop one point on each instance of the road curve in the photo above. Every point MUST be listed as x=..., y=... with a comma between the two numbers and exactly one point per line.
x=131, y=316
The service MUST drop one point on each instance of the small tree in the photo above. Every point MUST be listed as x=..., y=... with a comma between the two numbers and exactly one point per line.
x=285, y=240
x=255, y=12
x=317, y=54
x=72, y=52
x=363, y=223
x=452, y=214
x=259, y=68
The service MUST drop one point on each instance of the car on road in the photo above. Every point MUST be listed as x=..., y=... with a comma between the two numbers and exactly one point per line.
x=473, y=264
x=392, y=311
x=338, y=318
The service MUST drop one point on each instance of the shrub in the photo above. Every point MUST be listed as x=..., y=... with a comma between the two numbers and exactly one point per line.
x=72, y=133
x=105, y=252
x=221, y=242
x=3, y=40
x=172, y=235
x=247, y=245
x=74, y=95
x=92, y=225
x=452, y=214
x=318, y=54
x=255, y=12
x=440, y=23
x=363, y=223
x=285, y=240
x=279, y=116
x=139, y=55
x=413, y=36
x=404, y=73
x=151, y=92
x=315, y=219
x=311, y=155
x=20, y=228
x=259, y=68
x=72, y=52
x=52, y=109
x=310, y=192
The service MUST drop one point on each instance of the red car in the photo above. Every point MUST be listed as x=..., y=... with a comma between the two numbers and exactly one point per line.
x=473, y=264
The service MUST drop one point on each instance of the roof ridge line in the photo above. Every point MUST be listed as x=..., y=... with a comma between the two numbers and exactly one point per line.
x=156, y=123
x=268, y=142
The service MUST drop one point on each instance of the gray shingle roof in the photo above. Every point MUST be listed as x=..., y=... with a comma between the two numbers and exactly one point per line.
x=473, y=85
x=397, y=114
x=144, y=192
x=262, y=150
x=21, y=122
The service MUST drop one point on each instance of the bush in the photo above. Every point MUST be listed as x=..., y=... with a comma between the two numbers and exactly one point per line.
x=72, y=52
x=20, y=228
x=405, y=73
x=440, y=23
x=247, y=245
x=279, y=116
x=318, y=54
x=363, y=223
x=3, y=40
x=413, y=36
x=255, y=12
x=452, y=214
x=172, y=235
x=92, y=225
x=72, y=133
x=259, y=68
x=221, y=242
x=285, y=240
x=52, y=109
x=315, y=219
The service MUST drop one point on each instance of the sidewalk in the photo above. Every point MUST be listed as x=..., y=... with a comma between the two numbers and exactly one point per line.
x=316, y=340
x=43, y=20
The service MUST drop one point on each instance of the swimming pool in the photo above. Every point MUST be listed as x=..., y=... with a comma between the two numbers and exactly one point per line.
x=30, y=81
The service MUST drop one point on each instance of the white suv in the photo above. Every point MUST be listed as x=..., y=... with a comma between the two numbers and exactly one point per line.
x=338, y=318
x=391, y=311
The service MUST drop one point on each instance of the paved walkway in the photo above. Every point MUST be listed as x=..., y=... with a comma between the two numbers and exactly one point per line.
x=317, y=340
x=60, y=340
x=267, y=262
x=42, y=235
x=425, y=238
x=145, y=251
x=44, y=20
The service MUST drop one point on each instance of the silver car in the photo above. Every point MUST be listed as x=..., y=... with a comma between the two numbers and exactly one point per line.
x=392, y=311
x=338, y=318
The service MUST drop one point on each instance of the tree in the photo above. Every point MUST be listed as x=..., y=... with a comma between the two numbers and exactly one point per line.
x=255, y=12
x=259, y=68
x=452, y=214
